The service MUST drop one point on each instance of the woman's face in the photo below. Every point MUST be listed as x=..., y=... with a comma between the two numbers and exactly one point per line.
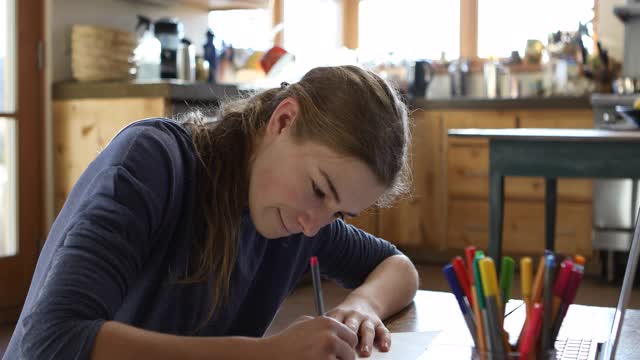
x=299, y=188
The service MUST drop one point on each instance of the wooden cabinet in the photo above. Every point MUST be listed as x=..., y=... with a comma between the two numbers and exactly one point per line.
x=523, y=226
x=83, y=127
x=450, y=207
x=416, y=220
x=367, y=221
x=467, y=160
x=468, y=173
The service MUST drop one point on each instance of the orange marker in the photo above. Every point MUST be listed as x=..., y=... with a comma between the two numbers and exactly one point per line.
x=536, y=295
x=525, y=280
x=478, y=318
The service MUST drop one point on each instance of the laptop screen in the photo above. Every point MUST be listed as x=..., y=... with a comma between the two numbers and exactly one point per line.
x=625, y=293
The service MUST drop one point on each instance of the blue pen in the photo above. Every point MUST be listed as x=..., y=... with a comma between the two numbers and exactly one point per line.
x=450, y=274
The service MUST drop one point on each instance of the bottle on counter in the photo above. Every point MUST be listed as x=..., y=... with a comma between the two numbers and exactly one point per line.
x=147, y=53
x=202, y=68
x=210, y=55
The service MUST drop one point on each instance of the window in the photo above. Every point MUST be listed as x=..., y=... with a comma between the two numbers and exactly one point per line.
x=506, y=25
x=8, y=171
x=8, y=146
x=411, y=29
x=7, y=58
x=312, y=27
x=244, y=28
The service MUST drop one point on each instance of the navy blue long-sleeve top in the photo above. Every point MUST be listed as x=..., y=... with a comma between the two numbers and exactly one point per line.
x=127, y=229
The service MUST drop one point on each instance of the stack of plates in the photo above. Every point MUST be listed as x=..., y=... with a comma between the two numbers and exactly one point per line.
x=99, y=53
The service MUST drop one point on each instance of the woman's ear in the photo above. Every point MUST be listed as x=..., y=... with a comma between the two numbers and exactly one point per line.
x=283, y=116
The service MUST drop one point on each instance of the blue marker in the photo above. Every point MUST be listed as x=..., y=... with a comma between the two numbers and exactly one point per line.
x=450, y=274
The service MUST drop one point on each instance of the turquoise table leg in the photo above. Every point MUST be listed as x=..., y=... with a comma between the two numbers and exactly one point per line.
x=496, y=204
x=550, y=203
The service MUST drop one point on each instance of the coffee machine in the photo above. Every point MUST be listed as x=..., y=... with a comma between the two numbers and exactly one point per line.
x=170, y=32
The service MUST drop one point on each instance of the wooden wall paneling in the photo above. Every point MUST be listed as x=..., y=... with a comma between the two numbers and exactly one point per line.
x=565, y=119
x=480, y=119
x=468, y=171
x=367, y=221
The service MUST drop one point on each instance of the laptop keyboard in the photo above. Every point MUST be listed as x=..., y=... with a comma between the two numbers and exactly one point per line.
x=574, y=349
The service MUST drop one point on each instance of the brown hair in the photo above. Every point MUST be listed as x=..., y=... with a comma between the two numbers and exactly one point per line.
x=352, y=111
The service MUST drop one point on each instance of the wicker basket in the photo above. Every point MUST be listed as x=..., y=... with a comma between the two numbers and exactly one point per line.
x=99, y=53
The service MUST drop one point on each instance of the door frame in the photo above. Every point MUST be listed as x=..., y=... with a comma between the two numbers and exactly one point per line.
x=29, y=117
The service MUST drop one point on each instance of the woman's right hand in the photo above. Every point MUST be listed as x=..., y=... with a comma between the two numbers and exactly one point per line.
x=310, y=338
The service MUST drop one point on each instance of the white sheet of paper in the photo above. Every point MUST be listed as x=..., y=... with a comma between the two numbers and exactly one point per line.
x=405, y=346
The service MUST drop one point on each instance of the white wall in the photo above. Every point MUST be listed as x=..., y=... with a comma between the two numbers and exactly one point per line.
x=611, y=29
x=118, y=14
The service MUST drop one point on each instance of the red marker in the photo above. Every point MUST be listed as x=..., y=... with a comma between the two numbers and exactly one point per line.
x=561, y=284
x=461, y=274
x=531, y=331
x=469, y=255
x=572, y=286
x=568, y=297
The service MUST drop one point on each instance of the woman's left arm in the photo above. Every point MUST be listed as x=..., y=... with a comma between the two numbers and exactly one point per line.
x=389, y=288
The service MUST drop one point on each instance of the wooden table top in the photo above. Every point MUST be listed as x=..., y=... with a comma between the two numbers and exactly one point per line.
x=438, y=311
x=550, y=134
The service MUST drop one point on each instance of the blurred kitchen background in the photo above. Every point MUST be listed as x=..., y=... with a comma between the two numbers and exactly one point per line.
x=504, y=49
x=74, y=72
x=466, y=63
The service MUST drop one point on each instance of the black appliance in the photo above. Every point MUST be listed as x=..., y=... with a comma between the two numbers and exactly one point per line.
x=169, y=31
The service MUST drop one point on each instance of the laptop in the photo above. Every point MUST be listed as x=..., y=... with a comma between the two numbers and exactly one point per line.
x=589, y=348
x=566, y=348
x=610, y=346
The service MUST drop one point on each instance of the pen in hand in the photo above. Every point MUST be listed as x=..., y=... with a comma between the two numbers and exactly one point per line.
x=317, y=286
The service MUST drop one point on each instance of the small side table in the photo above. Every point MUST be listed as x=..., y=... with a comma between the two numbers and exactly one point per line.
x=551, y=153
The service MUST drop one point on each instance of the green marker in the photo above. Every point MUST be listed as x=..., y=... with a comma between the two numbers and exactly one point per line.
x=506, y=279
x=481, y=299
x=478, y=279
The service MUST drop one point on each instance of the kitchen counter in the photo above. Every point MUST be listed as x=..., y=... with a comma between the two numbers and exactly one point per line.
x=555, y=102
x=173, y=90
x=176, y=90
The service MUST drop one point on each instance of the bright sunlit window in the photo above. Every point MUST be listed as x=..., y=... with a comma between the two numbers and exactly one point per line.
x=412, y=29
x=244, y=28
x=3, y=51
x=506, y=25
x=311, y=26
